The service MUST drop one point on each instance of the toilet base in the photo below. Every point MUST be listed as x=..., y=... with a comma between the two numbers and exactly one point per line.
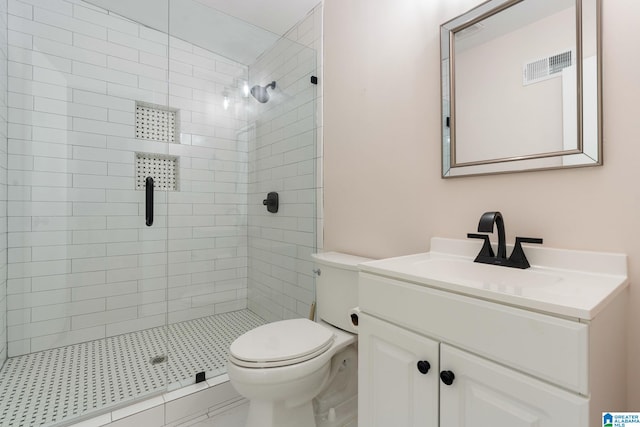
x=268, y=414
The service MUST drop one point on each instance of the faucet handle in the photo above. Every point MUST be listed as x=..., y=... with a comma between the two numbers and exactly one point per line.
x=529, y=240
x=518, y=258
x=487, y=250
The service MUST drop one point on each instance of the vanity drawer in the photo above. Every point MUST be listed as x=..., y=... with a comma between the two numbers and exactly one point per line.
x=550, y=348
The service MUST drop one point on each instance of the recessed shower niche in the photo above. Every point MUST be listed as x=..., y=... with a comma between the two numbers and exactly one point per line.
x=162, y=168
x=157, y=122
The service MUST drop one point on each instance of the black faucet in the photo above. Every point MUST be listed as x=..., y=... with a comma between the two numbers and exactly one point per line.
x=486, y=256
x=486, y=226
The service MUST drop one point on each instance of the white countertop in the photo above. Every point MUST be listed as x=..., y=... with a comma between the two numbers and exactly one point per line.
x=567, y=283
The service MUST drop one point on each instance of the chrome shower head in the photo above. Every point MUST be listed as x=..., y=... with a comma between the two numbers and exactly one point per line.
x=260, y=93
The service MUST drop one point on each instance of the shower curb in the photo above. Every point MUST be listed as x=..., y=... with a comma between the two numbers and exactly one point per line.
x=171, y=408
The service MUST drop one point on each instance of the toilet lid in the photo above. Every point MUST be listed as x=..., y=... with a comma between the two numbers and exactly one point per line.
x=281, y=343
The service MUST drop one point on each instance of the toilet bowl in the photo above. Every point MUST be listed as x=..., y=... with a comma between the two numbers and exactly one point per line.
x=282, y=366
x=281, y=392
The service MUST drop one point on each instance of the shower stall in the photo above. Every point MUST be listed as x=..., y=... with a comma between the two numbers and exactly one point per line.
x=134, y=161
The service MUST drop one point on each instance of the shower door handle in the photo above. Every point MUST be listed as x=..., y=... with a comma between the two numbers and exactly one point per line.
x=149, y=201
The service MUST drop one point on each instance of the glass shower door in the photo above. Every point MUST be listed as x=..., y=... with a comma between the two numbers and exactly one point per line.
x=232, y=264
x=283, y=157
x=86, y=275
x=208, y=214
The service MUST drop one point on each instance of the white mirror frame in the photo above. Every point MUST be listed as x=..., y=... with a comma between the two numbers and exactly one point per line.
x=589, y=87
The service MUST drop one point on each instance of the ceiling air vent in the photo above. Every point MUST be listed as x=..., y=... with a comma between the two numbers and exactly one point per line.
x=546, y=68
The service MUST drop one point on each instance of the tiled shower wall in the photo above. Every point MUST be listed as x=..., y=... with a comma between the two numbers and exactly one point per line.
x=283, y=152
x=82, y=263
x=3, y=181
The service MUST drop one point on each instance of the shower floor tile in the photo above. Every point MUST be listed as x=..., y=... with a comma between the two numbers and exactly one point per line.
x=54, y=385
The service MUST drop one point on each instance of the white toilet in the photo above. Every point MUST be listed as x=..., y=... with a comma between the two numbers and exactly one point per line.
x=282, y=366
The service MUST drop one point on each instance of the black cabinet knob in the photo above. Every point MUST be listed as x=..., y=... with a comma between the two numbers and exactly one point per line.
x=447, y=377
x=424, y=366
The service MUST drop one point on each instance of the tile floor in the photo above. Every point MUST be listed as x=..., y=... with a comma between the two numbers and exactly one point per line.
x=236, y=416
x=50, y=386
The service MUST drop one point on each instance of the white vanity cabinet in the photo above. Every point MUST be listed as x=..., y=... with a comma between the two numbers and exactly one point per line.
x=512, y=364
x=392, y=391
x=487, y=394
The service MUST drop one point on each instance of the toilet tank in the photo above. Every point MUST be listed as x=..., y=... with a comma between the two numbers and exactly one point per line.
x=337, y=287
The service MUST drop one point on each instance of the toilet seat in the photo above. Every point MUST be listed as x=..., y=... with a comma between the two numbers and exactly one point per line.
x=282, y=343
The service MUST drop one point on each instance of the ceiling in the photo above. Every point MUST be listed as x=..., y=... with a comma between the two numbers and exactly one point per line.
x=277, y=16
x=237, y=29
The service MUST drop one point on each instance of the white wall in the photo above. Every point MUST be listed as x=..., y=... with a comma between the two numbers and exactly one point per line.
x=3, y=181
x=383, y=191
x=282, y=157
x=82, y=264
x=494, y=123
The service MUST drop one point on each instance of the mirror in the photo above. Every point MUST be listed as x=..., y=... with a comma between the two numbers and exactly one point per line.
x=521, y=87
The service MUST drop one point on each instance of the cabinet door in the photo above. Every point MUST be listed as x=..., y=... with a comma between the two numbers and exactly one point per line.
x=393, y=389
x=487, y=394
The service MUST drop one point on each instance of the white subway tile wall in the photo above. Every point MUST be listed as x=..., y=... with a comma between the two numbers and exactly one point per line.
x=83, y=265
x=283, y=157
x=4, y=100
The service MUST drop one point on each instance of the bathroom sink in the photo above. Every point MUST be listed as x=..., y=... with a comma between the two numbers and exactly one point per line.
x=565, y=282
x=482, y=275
